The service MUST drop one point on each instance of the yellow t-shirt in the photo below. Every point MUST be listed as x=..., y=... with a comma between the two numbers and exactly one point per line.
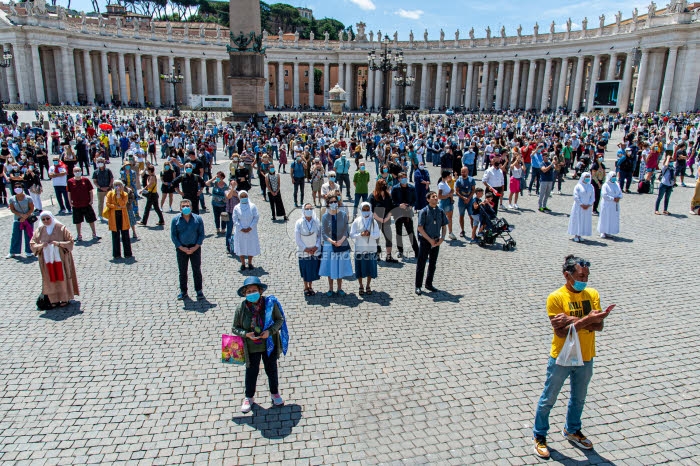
x=577, y=305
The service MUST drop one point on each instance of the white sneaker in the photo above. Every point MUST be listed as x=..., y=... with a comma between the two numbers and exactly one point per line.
x=452, y=236
x=602, y=235
x=247, y=405
x=575, y=239
x=11, y=256
x=277, y=400
x=516, y=206
x=29, y=255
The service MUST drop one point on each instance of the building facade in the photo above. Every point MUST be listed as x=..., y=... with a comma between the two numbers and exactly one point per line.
x=655, y=57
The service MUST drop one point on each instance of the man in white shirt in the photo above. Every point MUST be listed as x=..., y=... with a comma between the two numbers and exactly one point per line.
x=274, y=145
x=59, y=178
x=493, y=180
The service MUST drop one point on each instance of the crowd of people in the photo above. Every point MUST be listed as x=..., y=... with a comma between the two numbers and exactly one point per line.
x=485, y=162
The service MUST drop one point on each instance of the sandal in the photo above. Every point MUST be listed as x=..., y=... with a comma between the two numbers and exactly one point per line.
x=666, y=212
x=362, y=291
x=307, y=292
x=368, y=290
x=312, y=292
x=63, y=304
x=656, y=212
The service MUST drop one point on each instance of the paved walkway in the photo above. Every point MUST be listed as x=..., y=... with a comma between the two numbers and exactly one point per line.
x=129, y=374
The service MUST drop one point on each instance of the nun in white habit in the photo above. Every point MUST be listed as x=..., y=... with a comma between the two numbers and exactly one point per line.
x=581, y=219
x=246, y=243
x=609, y=219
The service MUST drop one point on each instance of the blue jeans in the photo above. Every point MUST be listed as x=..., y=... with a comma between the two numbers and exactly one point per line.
x=229, y=234
x=358, y=196
x=62, y=197
x=579, y=377
x=16, y=241
x=523, y=180
x=665, y=194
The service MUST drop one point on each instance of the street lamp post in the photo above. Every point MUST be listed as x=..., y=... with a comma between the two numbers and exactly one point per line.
x=402, y=81
x=386, y=62
x=173, y=79
x=4, y=63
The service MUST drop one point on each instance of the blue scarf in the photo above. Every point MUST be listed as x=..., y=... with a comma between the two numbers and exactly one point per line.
x=270, y=302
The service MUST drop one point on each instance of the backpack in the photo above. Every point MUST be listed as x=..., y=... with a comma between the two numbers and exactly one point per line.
x=43, y=303
x=644, y=187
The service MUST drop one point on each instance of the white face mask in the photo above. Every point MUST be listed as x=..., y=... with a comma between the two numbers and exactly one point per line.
x=308, y=212
x=100, y=165
x=18, y=190
x=366, y=214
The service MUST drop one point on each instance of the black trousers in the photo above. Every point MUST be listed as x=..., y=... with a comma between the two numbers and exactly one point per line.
x=343, y=179
x=299, y=186
x=276, y=205
x=183, y=260
x=406, y=223
x=152, y=202
x=120, y=234
x=251, y=372
x=43, y=163
x=84, y=164
x=426, y=253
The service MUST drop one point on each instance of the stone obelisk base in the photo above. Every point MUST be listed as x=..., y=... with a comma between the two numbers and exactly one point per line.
x=247, y=85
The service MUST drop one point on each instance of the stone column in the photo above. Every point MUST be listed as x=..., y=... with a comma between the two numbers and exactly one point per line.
x=454, y=98
x=341, y=76
x=394, y=95
x=515, y=86
x=546, y=84
x=407, y=94
x=295, y=84
x=156, y=81
x=280, y=84
x=203, y=85
x=138, y=78
x=595, y=74
x=311, y=85
x=378, y=89
x=499, y=84
x=439, y=82
x=69, y=74
x=349, y=87
x=575, y=102
x=266, y=75
x=123, y=96
x=39, y=76
x=562, y=82
x=370, y=88
x=507, y=85
x=669, y=74
x=484, y=84
x=641, y=81
x=188, y=76
x=11, y=76
x=423, y=86
x=106, y=88
x=171, y=88
x=530, y=96
x=612, y=66
x=327, y=83
x=626, y=91
x=89, y=83
x=220, y=80
x=469, y=85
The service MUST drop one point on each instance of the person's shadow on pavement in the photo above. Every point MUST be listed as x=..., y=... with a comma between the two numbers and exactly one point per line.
x=275, y=422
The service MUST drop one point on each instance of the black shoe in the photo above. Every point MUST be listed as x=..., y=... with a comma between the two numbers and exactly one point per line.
x=430, y=288
x=182, y=296
x=200, y=294
x=274, y=219
x=391, y=260
x=419, y=291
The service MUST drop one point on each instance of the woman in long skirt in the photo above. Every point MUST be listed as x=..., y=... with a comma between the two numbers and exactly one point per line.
x=307, y=232
x=365, y=232
x=335, y=259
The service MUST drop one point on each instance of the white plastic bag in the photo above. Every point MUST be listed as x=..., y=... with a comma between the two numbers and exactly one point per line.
x=570, y=354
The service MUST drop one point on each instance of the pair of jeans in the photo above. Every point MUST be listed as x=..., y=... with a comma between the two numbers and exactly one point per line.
x=665, y=193
x=401, y=224
x=62, y=197
x=426, y=253
x=579, y=377
x=120, y=234
x=229, y=233
x=298, y=186
x=183, y=260
x=545, y=190
x=217, y=210
x=253, y=369
x=16, y=241
x=358, y=197
x=276, y=205
x=535, y=178
x=625, y=180
x=152, y=202
x=344, y=179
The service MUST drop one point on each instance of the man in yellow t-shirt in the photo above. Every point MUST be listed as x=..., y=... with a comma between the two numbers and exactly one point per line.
x=572, y=304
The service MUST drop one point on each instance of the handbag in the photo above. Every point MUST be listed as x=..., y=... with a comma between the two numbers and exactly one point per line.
x=43, y=303
x=106, y=212
x=232, y=349
x=225, y=217
x=570, y=354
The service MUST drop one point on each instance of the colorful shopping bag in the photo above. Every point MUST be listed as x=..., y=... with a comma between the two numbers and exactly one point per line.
x=232, y=349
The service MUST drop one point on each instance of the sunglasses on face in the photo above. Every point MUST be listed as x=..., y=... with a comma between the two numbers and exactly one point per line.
x=585, y=264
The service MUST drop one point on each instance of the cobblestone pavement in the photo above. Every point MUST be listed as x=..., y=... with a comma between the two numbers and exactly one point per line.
x=129, y=374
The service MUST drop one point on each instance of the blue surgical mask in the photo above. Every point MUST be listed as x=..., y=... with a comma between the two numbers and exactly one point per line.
x=253, y=297
x=308, y=212
x=366, y=214
x=186, y=210
x=613, y=179
x=362, y=168
x=188, y=170
x=587, y=180
x=404, y=181
x=331, y=178
x=166, y=168
x=385, y=170
x=244, y=200
x=333, y=205
x=579, y=286
x=127, y=167
x=272, y=170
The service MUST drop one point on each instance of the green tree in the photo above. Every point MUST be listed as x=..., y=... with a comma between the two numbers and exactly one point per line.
x=284, y=16
x=264, y=16
x=329, y=24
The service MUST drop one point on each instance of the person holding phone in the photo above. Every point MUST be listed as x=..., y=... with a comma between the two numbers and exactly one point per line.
x=578, y=305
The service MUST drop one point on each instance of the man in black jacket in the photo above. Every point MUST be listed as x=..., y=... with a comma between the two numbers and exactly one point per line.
x=189, y=186
x=81, y=152
x=403, y=196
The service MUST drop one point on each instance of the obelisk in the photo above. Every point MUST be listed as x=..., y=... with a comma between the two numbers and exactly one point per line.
x=246, y=74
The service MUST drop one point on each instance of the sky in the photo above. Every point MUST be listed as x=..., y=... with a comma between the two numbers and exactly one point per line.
x=417, y=15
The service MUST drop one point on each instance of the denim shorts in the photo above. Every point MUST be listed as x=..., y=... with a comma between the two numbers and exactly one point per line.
x=446, y=205
x=462, y=207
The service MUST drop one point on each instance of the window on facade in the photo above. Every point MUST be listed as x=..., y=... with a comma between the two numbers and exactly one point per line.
x=286, y=86
x=306, y=87
x=286, y=72
x=306, y=74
